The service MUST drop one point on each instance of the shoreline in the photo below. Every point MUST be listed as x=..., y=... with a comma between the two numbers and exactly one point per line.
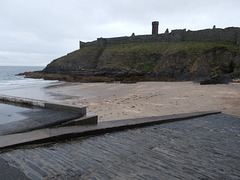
x=33, y=91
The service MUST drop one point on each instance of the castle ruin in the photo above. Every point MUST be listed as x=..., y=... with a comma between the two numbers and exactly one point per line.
x=155, y=27
x=215, y=34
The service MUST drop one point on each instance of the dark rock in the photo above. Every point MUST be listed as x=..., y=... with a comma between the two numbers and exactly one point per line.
x=217, y=79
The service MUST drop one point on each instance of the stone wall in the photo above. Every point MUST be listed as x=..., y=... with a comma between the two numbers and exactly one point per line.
x=215, y=34
x=227, y=34
x=238, y=39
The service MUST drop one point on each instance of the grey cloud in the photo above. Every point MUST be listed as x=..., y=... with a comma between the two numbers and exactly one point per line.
x=40, y=30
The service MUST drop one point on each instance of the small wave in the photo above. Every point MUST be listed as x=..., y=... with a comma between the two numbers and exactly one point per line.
x=11, y=84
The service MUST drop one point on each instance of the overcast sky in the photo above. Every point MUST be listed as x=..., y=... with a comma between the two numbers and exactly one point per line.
x=34, y=32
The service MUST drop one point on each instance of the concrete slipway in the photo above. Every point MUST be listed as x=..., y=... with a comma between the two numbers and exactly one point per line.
x=44, y=121
x=203, y=146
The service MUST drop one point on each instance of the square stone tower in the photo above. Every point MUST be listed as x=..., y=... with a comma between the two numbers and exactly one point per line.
x=155, y=27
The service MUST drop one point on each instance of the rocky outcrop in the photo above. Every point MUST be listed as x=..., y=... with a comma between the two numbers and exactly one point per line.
x=217, y=79
x=189, y=60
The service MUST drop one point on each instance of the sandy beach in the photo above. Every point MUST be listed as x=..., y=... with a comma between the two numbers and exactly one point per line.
x=115, y=101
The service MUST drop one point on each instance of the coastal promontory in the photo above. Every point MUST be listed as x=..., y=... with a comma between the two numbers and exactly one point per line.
x=177, y=56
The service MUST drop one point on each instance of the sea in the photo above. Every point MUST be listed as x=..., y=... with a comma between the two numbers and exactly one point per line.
x=13, y=85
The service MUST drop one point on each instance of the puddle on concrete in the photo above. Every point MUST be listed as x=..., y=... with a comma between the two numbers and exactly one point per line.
x=11, y=113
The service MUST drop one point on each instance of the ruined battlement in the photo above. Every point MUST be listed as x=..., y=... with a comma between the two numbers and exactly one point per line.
x=214, y=34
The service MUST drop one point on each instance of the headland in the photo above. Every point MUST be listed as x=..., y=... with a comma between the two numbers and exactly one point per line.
x=179, y=55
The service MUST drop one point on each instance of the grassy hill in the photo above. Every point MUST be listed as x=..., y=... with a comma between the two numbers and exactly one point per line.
x=187, y=60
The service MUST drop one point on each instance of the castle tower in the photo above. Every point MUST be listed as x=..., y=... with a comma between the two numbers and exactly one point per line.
x=155, y=27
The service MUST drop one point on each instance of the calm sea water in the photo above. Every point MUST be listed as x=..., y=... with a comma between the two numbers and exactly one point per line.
x=8, y=80
x=24, y=87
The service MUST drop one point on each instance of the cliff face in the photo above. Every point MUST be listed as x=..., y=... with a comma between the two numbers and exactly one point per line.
x=187, y=60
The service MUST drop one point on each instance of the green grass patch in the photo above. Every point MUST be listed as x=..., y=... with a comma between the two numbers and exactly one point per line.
x=166, y=48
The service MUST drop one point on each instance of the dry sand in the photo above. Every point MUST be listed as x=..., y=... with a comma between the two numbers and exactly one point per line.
x=122, y=101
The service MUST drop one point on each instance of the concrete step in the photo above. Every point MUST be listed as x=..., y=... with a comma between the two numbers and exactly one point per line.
x=40, y=114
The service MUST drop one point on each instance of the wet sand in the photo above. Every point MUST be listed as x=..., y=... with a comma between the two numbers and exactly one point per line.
x=122, y=101
x=33, y=91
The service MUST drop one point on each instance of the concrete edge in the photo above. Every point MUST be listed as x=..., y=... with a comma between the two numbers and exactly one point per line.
x=63, y=133
x=85, y=120
x=66, y=107
x=20, y=100
x=44, y=104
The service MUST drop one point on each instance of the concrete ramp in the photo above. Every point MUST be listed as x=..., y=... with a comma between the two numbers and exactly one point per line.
x=64, y=133
x=19, y=115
